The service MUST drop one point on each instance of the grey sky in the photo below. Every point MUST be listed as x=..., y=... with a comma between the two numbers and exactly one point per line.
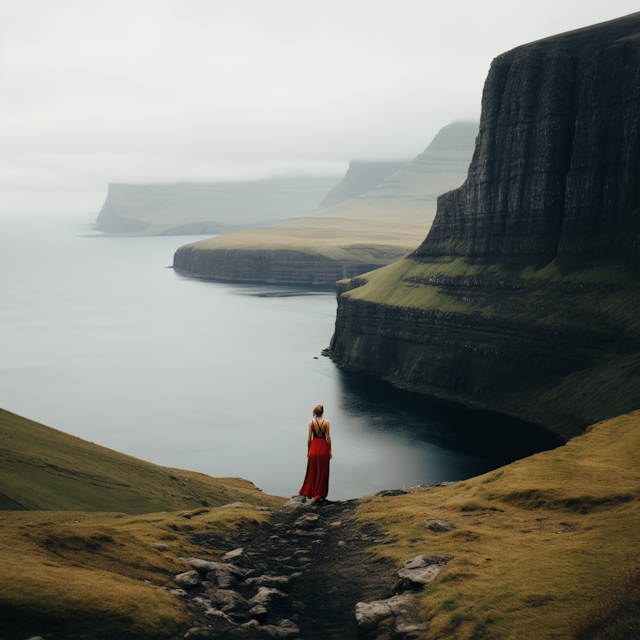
x=161, y=91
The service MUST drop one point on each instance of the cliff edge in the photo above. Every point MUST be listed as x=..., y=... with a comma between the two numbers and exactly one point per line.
x=523, y=298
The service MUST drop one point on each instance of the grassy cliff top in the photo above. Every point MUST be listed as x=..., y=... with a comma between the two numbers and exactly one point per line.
x=44, y=469
x=596, y=304
x=369, y=240
x=536, y=543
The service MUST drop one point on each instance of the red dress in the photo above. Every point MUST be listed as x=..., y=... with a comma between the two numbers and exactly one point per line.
x=316, y=481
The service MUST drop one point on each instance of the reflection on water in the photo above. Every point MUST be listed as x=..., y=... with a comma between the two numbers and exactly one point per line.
x=439, y=422
x=100, y=340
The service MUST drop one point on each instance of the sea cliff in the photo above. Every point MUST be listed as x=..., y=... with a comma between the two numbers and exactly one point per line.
x=206, y=208
x=523, y=298
x=367, y=231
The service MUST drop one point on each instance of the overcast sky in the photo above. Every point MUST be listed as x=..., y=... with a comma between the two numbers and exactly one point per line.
x=138, y=91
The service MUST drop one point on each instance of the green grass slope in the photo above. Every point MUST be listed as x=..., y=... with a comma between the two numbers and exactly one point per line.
x=591, y=312
x=376, y=227
x=538, y=545
x=45, y=469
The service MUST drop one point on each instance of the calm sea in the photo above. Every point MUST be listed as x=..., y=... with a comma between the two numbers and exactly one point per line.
x=99, y=339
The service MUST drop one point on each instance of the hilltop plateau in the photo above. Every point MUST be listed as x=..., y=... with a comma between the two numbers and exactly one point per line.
x=524, y=296
x=369, y=230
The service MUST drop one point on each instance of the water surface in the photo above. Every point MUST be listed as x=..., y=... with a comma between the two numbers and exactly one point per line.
x=99, y=339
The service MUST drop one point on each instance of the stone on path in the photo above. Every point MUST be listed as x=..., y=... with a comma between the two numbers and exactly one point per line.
x=269, y=581
x=267, y=596
x=222, y=579
x=203, y=567
x=307, y=522
x=286, y=629
x=297, y=502
x=227, y=600
x=238, y=556
x=259, y=613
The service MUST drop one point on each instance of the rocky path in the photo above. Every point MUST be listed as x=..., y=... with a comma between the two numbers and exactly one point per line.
x=303, y=574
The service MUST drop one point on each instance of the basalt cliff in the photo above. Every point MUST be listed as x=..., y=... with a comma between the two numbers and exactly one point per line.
x=190, y=208
x=350, y=237
x=524, y=297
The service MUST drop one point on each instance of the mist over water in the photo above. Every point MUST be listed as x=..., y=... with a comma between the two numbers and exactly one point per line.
x=100, y=340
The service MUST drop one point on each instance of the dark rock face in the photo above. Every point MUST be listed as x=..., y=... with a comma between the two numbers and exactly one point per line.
x=556, y=168
x=267, y=266
x=524, y=297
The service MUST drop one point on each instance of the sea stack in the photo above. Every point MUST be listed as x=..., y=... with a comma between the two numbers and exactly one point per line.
x=524, y=296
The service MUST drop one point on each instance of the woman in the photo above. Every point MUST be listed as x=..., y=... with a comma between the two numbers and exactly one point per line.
x=316, y=481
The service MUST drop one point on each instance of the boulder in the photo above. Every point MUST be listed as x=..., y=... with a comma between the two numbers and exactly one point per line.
x=258, y=613
x=267, y=596
x=251, y=623
x=203, y=567
x=438, y=526
x=420, y=570
x=227, y=600
x=238, y=556
x=269, y=581
x=286, y=629
x=222, y=579
x=188, y=580
x=370, y=614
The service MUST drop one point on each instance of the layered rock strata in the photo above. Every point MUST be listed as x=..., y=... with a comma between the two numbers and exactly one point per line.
x=523, y=298
x=266, y=266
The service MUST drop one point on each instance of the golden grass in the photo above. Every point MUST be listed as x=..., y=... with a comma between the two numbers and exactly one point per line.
x=375, y=240
x=61, y=568
x=535, y=541
x=614, y=617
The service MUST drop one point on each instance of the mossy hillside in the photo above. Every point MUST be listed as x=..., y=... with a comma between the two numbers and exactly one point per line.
x=66, y=571
x=45, y=469
x=536, y=543
x=590, y=311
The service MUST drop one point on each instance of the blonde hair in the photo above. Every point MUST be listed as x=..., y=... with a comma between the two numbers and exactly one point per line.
x=318, y=410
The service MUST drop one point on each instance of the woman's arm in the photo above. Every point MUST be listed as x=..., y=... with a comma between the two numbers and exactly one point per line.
x=328, y=437
x=309, y=439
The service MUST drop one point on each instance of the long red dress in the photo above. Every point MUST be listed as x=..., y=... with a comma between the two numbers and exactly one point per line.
x=316, y=480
